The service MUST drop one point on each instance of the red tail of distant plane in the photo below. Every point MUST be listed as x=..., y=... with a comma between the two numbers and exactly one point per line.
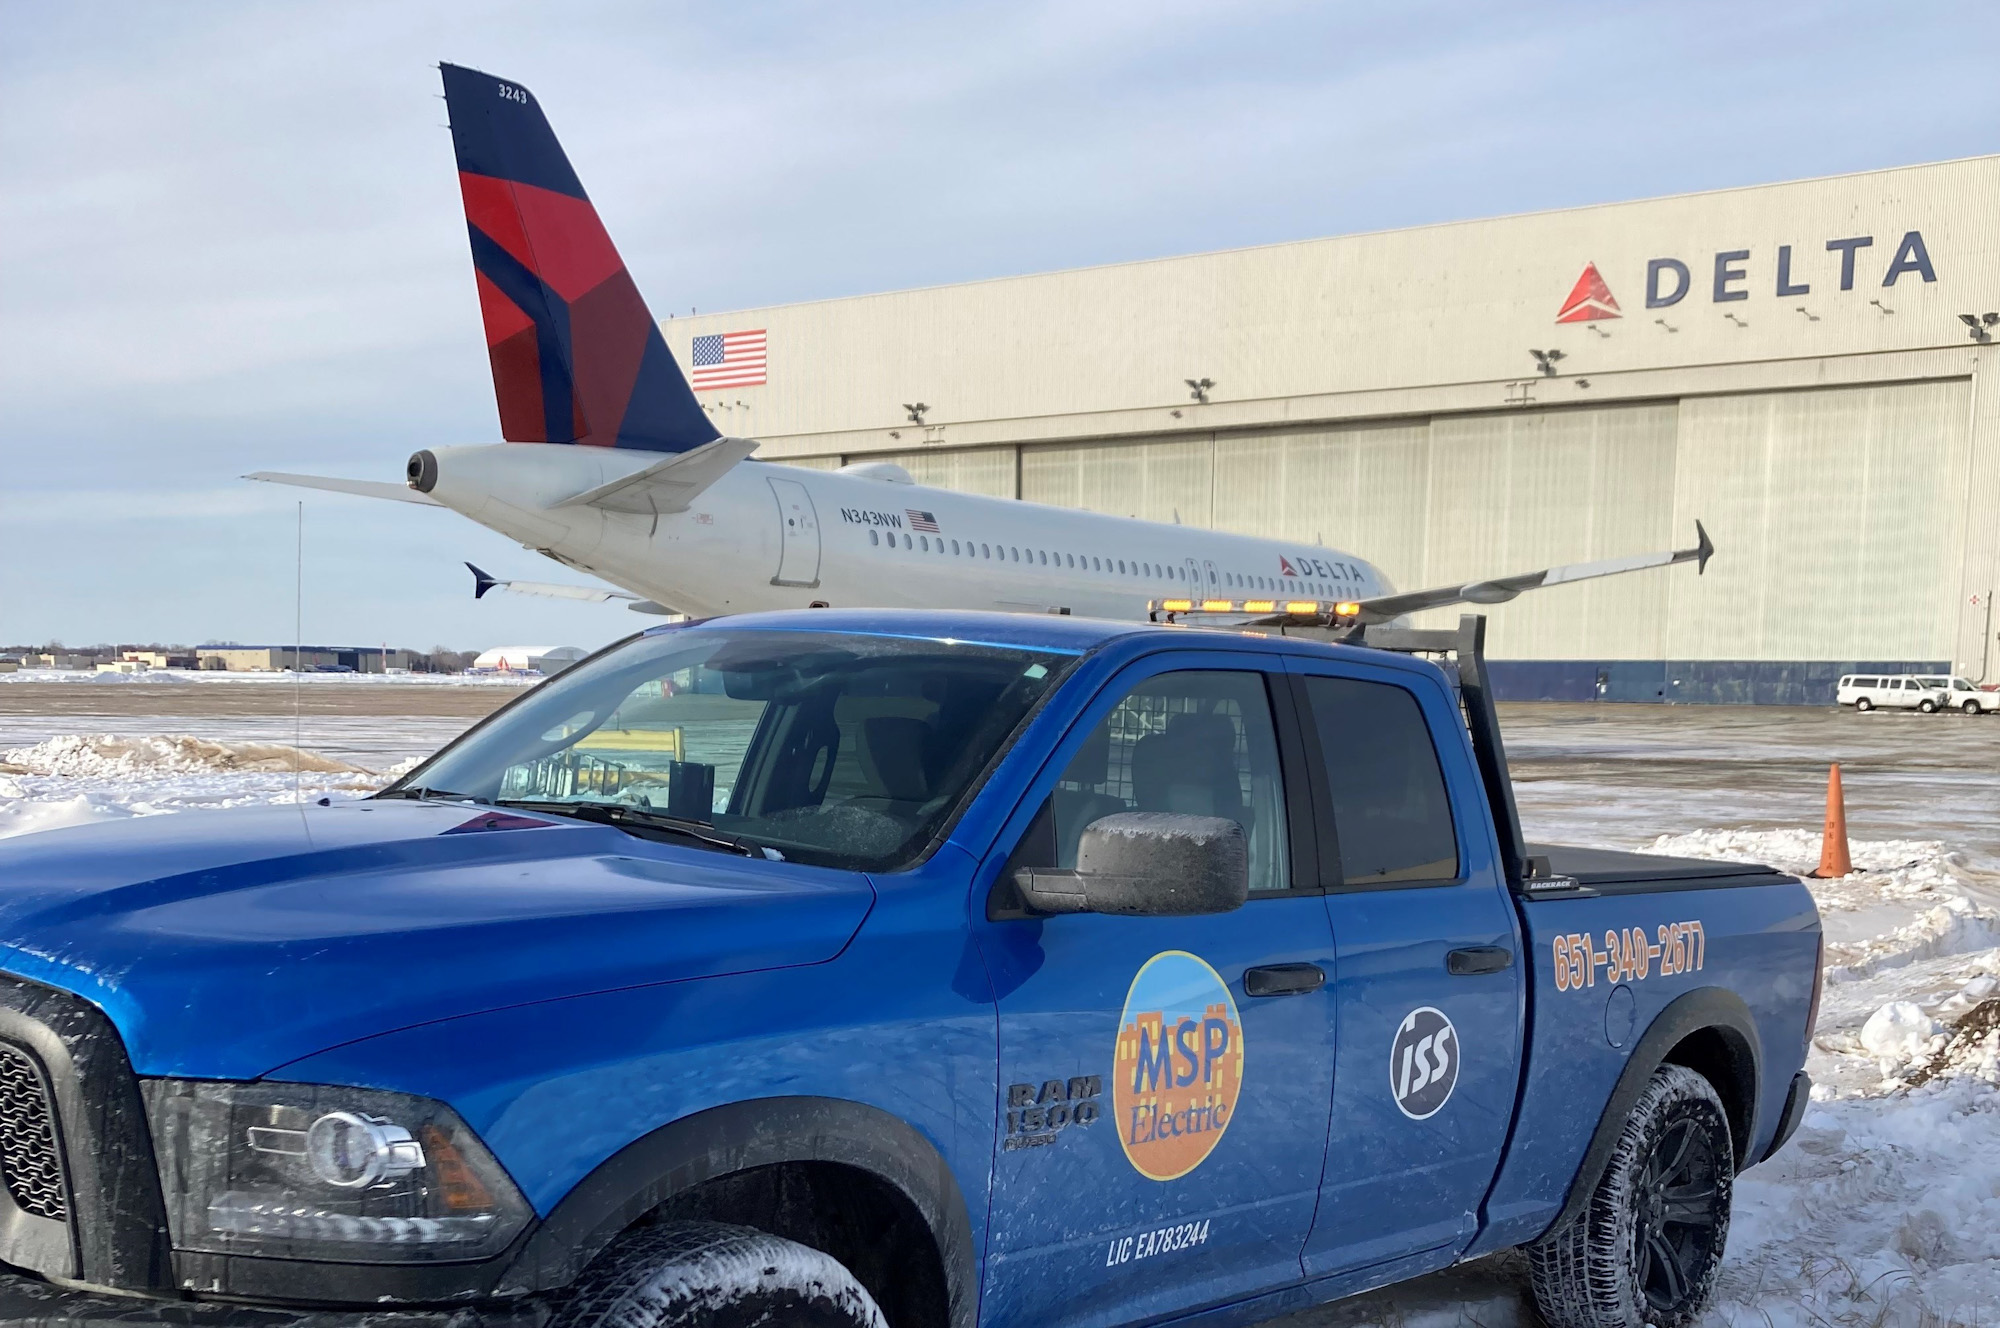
x=577, y=358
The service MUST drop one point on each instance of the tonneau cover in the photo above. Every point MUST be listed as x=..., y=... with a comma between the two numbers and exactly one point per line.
x=1603, y=867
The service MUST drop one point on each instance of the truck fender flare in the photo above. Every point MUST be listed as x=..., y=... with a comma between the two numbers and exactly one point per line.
x=736, y=1137
x=1692, y=1012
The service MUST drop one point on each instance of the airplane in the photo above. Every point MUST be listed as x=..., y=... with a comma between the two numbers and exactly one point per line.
x=612, y=467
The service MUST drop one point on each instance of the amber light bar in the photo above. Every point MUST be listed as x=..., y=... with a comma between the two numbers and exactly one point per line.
x=1298, y=608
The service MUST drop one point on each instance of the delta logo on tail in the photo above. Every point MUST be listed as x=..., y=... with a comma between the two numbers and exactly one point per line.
x=576, y=356
x=1589, y=300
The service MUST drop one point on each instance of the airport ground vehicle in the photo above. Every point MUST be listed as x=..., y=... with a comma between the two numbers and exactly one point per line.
x=928, y=969
x=1956, y=693
x=1901, y=691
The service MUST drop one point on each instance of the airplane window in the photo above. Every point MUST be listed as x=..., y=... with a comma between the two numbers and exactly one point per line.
x=1094, y=566
x=906, y=541
x=1045, y=559
x=1121, y=565
x=954, y=548
x=1013, y=554
x=924, y=543
x=986, y=551
x=1072, y=559
x=873, y=538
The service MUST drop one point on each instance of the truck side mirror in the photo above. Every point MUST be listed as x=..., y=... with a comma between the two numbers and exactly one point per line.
x=1147, y=864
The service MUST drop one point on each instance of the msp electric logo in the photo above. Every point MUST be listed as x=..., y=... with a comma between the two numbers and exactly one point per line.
x=1589, y=299
x=1423, y=1063
x=1178, y=1070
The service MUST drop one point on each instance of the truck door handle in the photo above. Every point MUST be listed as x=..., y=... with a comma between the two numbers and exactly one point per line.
x=1478, y=959
x=1283, y=979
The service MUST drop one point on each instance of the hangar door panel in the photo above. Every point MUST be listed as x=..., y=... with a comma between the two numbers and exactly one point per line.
x=1153, y=479
x=1837, y=514
x=1518, y=491
x=1359, y=488
x=985, y=470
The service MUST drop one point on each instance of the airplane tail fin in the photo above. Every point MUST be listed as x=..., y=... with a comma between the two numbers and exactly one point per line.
x=577, y=358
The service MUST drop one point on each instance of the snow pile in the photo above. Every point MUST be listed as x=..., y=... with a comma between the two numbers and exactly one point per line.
x=1906, y=901
x=74, y=780
x=1880, y=1211
x=1900, y=1032
x=105, y=756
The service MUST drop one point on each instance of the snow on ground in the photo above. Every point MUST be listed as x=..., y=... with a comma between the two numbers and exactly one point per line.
x=73, y=779
x=1884, y=1212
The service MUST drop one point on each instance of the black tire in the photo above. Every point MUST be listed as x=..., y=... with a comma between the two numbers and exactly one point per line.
x=711, y=1275
x=1926, y=706
x=1647, y=1247
x=1864, y=705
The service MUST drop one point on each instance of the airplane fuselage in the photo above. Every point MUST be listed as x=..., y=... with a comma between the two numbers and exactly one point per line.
x=766, y=536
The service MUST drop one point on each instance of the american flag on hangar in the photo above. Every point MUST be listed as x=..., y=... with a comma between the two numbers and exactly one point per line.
x=728, y=359
x=921, y=521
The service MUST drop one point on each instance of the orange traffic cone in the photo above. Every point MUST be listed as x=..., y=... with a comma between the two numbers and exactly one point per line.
x=1833, y=859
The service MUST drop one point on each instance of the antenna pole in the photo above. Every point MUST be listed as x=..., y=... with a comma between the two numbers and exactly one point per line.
x=298, y=654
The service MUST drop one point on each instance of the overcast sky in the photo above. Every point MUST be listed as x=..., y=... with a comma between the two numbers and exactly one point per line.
x=230, y=236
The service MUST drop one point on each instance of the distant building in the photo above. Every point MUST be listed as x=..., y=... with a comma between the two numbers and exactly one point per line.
x=156, y=659
x=309, y=659
x=1796, y=364
x=527, y=659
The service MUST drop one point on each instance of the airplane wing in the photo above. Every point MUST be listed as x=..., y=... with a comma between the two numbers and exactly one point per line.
x=483, y=581
x=669, y=484
x=400, y=493
x=1501, y=589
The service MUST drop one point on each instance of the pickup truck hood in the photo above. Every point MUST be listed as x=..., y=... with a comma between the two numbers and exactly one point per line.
x=226, y=944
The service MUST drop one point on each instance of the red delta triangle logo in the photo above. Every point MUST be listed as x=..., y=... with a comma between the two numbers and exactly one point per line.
x=1589, y=300
x=1285, y=567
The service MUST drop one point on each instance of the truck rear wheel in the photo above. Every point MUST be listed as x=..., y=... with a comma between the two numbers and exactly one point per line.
x=1970, y=707
x=712, y=1275
x=1647, y=1247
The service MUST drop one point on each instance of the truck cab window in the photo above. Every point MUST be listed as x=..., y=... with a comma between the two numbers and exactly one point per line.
x=1197, y=742
x=1390, y=811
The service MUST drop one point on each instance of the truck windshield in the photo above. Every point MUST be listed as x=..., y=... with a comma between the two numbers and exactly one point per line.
x=835, y=749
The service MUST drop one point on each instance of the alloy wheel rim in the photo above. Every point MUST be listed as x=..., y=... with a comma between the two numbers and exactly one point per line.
x=1678, y=1213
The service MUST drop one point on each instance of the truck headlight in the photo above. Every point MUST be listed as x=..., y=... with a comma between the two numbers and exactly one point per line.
x=309, y=1171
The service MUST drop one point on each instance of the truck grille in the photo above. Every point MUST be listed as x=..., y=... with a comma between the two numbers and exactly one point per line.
x=30, y=1164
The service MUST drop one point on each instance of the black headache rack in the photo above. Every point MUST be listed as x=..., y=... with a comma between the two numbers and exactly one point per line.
x=1460, y=652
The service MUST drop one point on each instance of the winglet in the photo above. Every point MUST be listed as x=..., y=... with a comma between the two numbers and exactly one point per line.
x=481, y=582
x=1704, y=549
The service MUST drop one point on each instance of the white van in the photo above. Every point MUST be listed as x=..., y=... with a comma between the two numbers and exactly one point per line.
x=1900, y=691
x=1960, y=694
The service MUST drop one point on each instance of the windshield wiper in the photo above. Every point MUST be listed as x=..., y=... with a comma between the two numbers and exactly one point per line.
x=624, y=815
x=418, y=793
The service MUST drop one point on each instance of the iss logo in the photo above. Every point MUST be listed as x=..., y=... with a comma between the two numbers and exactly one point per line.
x=1423, y=1063
x=1178, y=1069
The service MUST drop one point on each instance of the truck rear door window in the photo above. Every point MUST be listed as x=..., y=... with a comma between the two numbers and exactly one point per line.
x=1390, y=811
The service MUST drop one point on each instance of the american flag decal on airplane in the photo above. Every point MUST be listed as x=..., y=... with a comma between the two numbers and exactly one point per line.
x=727, y=359
x=921, y=521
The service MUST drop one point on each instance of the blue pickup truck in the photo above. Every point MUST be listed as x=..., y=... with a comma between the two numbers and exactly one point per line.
x=909, y=969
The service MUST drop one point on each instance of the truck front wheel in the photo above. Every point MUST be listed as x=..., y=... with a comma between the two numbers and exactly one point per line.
x=712, y=1275
x=1646, y=1248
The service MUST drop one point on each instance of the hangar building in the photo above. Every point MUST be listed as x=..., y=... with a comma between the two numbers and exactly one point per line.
x=1789, y=363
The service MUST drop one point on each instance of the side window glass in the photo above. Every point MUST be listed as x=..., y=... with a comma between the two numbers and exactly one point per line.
x=1390, y=811
x=1195, y=742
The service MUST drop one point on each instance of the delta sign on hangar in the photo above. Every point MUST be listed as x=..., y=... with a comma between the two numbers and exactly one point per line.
x=1789, y=363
